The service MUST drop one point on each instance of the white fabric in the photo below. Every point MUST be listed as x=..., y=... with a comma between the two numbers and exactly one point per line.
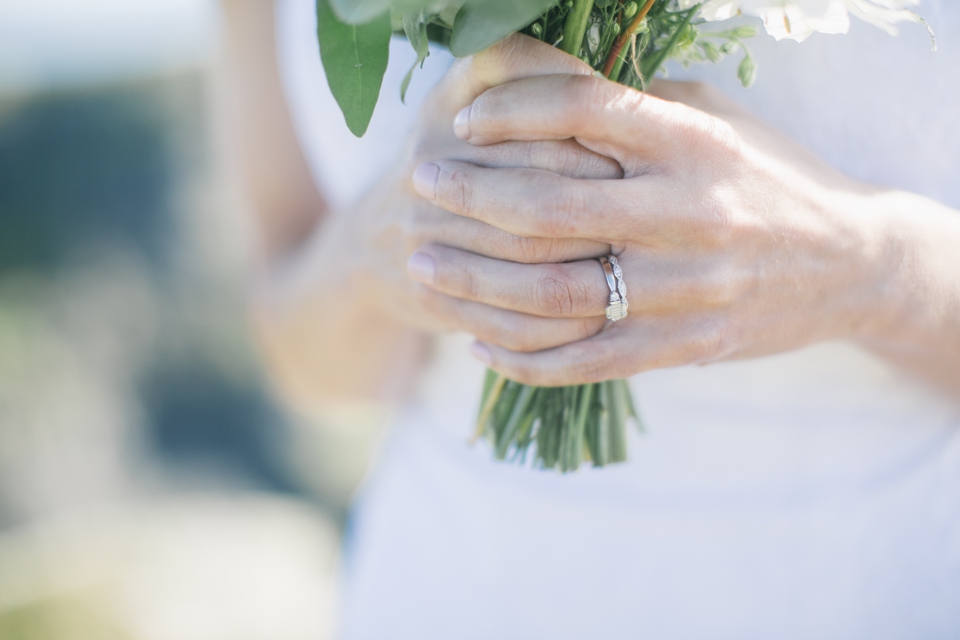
x=813, y=494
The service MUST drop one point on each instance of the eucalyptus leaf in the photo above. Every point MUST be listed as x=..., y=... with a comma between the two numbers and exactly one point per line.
x=354, y=59
x=415, y=28
x=482, y=23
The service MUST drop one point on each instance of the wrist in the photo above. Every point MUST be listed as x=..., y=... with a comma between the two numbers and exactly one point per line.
x=912, y=240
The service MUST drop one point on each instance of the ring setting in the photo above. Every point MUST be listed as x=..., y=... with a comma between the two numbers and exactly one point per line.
x=618, y=307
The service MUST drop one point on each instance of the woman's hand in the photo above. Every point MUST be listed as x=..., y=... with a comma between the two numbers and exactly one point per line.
x=734, y=242
x=345, y=296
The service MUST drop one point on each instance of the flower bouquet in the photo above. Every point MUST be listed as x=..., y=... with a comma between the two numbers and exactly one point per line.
x=627, y=41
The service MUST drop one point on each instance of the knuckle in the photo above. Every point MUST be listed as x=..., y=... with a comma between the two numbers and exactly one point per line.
x=468, y=282
x=587, y=94
x=458, y=188
x=561, y=210
x=726, y=286
x=724, y=136
x=706, y=136
x=713, y=342
x=555, y=295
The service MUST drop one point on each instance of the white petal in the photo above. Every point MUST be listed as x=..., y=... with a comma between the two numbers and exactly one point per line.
x=714, y=10
x=796, y=20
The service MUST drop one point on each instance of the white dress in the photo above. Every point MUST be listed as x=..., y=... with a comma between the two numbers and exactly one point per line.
x=813, y=494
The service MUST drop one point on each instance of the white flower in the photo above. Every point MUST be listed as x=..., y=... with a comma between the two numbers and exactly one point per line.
x=797, y=19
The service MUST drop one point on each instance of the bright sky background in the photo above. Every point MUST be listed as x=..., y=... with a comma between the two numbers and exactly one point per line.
x=55, y=43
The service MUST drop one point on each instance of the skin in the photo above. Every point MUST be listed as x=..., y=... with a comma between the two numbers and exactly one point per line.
x=734, y=241
x=473, y=270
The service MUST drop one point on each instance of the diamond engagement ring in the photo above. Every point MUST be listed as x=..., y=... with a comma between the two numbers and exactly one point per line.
x=617, y=310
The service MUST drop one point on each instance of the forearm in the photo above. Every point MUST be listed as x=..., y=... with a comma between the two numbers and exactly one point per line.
x=917, y=320
x=275, y=175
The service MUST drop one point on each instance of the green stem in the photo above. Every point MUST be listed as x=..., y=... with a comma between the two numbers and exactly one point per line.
x=513, y=423
x=650, y=67
x=575, y=27
x=618, y=65
x=488, y=406
x=575, y=443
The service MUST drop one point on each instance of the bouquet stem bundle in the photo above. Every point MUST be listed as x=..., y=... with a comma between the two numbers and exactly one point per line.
x=567, y=424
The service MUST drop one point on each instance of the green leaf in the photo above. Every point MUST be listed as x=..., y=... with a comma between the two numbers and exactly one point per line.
x=483, y=23
x=415, y=26
x=354, y=59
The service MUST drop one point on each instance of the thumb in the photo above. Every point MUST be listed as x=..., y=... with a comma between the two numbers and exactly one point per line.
x=514, y=58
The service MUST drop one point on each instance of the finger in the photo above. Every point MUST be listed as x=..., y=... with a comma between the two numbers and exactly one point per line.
x=516, y=332
x=571, y=290
x=565, y=157
x=535, y=203
x=628, y=347
x=602, y=115
x=601, y=357
x=433, y=225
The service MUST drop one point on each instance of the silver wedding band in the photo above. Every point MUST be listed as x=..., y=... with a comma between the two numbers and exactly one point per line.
x=617, y=309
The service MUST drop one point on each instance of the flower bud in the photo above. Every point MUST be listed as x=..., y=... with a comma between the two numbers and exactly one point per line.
x=536, y=29
x=630, y=10
x=747, y=71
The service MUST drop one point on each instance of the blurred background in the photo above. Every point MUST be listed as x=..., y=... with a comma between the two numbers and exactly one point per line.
x=150, y=486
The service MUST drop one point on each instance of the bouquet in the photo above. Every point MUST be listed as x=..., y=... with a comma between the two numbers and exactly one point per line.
x=627, y=41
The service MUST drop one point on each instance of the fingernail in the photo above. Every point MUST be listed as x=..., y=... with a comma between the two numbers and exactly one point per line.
x=461, y=124
x=421, y=267
x=425, y=180
x=481, y=352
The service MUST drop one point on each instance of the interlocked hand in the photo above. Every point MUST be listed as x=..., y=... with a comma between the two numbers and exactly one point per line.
x=733, y=240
